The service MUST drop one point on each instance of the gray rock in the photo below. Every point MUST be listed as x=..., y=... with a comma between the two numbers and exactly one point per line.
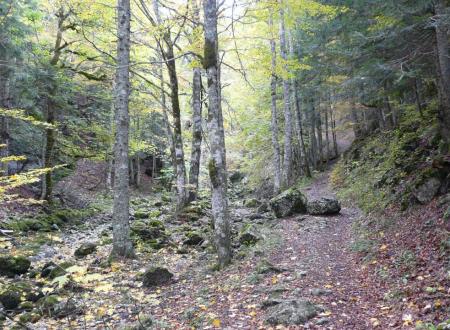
x=322, y=321
x=324, y=206
x=155, y=276
x=291, y=201
x=320, y=292
x=85, y=249
x=14, y=265
x=290, y=312
x=427, y=190
x=264, y=207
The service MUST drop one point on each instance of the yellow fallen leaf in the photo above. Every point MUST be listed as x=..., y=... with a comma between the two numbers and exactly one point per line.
x=203, y=307
x=274, y=280
x=101, y=311
x=375, y=322
x=252, y=313
x=383, y=247
x=216, y=323
x=438, y=303
x=328, y=286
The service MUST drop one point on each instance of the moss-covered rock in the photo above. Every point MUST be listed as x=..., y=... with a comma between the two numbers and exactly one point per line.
x=29, y=317
x=193, y=239
x=46, y=305
x=141, y=214
x=324, y=206
x=147, y=231
x=58, y=270
x=156, y=276
x=10, y=298
x=14, y=265
x=291, y=201
x=252, y=202
x=85, y=249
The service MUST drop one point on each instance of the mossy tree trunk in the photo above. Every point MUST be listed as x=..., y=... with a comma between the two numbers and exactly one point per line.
x=122, y=245
x=196, y=149
x=217, y=163
x=274, y=113
x=287, y=163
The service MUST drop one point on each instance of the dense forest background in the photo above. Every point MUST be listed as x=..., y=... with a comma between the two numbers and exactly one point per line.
x=157, y=125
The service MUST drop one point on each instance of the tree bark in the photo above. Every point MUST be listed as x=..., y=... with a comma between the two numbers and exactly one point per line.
x=274, y=113
x=4, y=125
x=443, y=68
x=287, y=164
x=217, y=163
x=196, y=151
x=169, y=58
x=122, y=245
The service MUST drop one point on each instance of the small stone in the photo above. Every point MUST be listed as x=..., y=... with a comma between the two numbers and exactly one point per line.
x=320, y=292
x=156, y=276
x=322, y=321
x=85, y=249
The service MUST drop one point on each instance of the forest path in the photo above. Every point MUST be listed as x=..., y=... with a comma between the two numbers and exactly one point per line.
x=332, y=276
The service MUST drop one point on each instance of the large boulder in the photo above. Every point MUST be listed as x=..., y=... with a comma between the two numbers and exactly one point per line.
x=324, y=206
x=155, y=276
x=148, y=231
x=193, y=239
x=291, y=201
x=427, y=190
x=11, y=266
x=11, y=296
x=290, y=312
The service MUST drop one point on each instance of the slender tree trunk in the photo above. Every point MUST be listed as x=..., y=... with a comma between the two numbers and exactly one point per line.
x=274, y=114
x=217, y=163
x=122, y=245
x=196, y=151
x=4, y=125
x=417, y=97
x=333, y=130
x=312, y=134
x=163, y=101
x=180, y=169
x=110, y=151
x=319, y=134
x=299, y=128
x=327, y=127
x=287, y=164
x=443, y=67
x=138, y=171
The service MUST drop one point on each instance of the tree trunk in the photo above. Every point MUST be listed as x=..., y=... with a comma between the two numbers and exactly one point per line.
x=327, y=127
x=443, y=68
x=319, y=134
x=4, y=127
x=312, y=134
x=333, y=130
x=417, y=96
x=196, y=151
x=287, y=165
x=217, y=163
x=274, y=119
x=180, y=170
x=122, y=246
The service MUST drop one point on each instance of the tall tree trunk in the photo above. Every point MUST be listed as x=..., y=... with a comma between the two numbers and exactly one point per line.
x=443, y=67
x=274, y=113
x=4, y=126
x=327, y=127
x=287, y=164
x=319, y=134
x=169, y=58
x=196, y=151
x=299, y=128
x=333, y=129
x=417, y=96
x=122, y=246
x=217, y=163
x=312, y=134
